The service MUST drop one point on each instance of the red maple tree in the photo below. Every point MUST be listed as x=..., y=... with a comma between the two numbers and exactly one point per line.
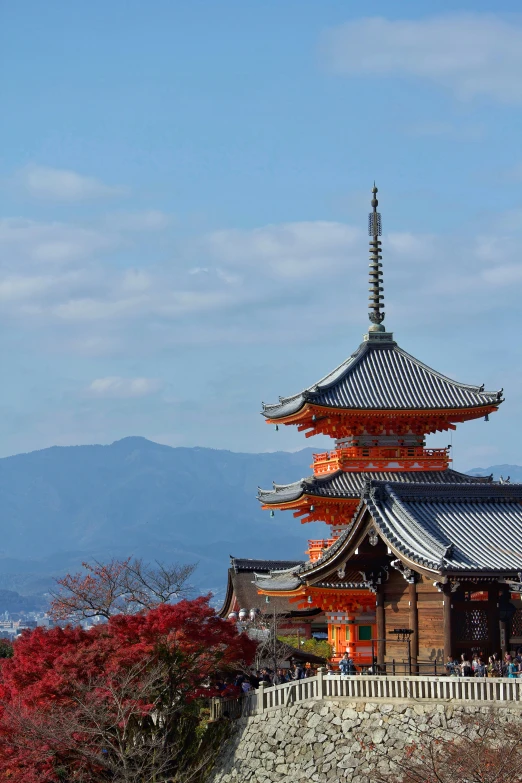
x=118, y=702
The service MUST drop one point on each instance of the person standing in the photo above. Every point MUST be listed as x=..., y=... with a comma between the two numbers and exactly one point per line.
x=465, y=666
x=346, y=665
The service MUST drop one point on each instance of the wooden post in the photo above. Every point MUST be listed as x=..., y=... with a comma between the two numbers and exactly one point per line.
x=493, y=622
x=446, y=621
x=503, y=626
x=381, y=625
x=414, y=624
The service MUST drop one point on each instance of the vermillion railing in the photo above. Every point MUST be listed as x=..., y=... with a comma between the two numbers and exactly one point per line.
x=381, y=452
x=316, y=546
x=344, y=457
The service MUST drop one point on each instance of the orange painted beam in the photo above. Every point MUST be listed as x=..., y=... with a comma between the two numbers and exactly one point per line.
x=339, y=422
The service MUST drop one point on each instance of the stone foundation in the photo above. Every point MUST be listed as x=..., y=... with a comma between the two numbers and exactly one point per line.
x=327, y=741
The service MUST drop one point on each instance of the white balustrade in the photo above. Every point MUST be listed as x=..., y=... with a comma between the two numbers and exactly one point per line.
x=367, y=688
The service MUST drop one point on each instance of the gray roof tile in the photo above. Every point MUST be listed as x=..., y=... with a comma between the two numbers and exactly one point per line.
x=381, y=376
x=469, y=527
x=242, y=564
x=350, y=485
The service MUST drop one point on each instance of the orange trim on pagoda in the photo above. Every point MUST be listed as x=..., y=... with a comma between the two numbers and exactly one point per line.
x=352, y=601
x=336, y=511
x=380, y=458
x=328, y=599
x=316, y=547
x=343, y=422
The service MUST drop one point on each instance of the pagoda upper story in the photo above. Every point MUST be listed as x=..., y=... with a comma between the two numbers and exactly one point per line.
x=381, y=402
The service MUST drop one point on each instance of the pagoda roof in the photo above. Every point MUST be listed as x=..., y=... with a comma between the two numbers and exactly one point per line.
x=292, y=581
x=241, y=587
x=445, y=527
x=381, y=376
x=344, y=484
x=242, y=564
x=470, y=527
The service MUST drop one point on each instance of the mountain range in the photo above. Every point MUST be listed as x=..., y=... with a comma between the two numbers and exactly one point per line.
x=62, y=505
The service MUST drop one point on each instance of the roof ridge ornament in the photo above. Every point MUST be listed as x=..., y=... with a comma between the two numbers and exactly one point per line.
x=376, y=298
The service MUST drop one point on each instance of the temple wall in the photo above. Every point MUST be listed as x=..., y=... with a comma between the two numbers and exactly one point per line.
x=431, y=633
x=329, y=741
x=397, y=615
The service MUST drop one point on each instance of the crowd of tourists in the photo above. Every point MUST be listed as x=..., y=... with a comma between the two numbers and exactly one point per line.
x=468, y=666
x=495, y=666
x=244, y=683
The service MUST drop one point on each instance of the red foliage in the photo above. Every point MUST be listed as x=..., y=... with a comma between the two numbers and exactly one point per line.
x=54, y=671
x=101, y=591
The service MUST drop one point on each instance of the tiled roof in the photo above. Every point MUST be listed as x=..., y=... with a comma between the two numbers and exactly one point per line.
x=240, y=564
x=381, y=376
x=241, y=587
x=350, y=484
x=276, y=583
x=292, y=581
x=466, y=527
x=451, y=527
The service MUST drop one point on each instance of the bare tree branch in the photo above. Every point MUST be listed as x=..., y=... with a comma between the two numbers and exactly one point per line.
x=119, y=587
x=484, y=749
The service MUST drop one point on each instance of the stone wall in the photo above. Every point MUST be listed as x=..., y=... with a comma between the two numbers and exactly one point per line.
x=324, y=741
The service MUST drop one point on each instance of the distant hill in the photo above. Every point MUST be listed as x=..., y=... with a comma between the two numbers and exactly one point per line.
x=62, y=505
x=514, y=472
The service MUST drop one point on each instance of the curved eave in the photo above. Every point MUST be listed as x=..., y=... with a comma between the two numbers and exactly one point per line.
x=297, y=593
x=353, y=587
x=344, y=548
x=227, y=602
x=378, y=375
x=305, y=498
x=483, y=511
x=300, y=493
x=308, y=409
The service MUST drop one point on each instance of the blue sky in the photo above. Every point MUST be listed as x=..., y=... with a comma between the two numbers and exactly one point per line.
x=183, y=200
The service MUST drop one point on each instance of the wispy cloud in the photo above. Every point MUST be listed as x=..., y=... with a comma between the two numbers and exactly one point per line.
x=469, y=54
x=23, y=240
x=123, y=388
x=289, y=250
x=53, y=184
x=235, y=286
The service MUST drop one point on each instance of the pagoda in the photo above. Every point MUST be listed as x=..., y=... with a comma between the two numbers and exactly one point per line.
x=378, y=406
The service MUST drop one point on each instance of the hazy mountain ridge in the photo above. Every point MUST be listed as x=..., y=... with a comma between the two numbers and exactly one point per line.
x=513, y=472
x=62, y=505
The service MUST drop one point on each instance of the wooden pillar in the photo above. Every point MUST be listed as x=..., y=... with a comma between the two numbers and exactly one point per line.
x=414, y=622
x=503, y=625
x=446, y=622
x=493, y=622
x=381, y=624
